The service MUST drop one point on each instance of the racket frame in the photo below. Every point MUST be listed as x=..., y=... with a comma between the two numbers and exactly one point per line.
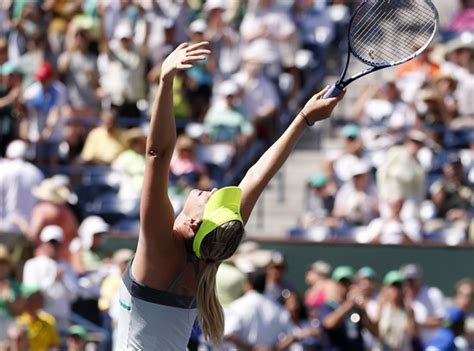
x=341, y=83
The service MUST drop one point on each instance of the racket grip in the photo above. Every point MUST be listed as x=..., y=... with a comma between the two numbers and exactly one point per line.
x=332, y=92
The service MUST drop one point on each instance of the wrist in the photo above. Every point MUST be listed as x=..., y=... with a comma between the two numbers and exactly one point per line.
x=306, y=119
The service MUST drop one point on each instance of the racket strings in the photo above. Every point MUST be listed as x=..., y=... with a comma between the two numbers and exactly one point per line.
x=385, y=32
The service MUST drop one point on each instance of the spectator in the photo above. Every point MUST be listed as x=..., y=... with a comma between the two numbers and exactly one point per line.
x=76, y=338
x=18, y=337
x=356, y=202
x=106, y=142
x=317, y=219
x=130, y=164
x=395, y=316
x=45, y=100
x=391, y=228
x=344, y=316
x=446, y=85
x=85, y=250
x=186, y=170
x=276, y=282
x=11, y=303
x=306, y=333
x=225, y=123
x=52, y=209
x=366, y=280
x=122, y=69
x=428, y=302
x=452, y=195
x=254, y=320
x=464, y=294
x=17, y=178
x=41, y=325
x=318, y=281
x=79, y=69
x=353, y=151
x=55, y=277
x=10, y=93
x=445, y=338
x=260, y=100
x=401, y=174
x=463, y=20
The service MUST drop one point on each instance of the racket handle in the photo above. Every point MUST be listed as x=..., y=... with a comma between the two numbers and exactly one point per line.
x=333, y=92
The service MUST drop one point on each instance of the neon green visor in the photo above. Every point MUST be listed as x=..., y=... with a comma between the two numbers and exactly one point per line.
x=222, y=207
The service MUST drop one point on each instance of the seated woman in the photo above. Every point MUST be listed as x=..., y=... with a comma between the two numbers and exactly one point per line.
x=172, y=279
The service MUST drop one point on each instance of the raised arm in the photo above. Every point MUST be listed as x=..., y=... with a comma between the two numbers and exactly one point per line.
x=157, y=214
x=316, y=109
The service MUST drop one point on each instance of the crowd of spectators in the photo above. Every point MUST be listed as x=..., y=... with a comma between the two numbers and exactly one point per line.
x=76, y=80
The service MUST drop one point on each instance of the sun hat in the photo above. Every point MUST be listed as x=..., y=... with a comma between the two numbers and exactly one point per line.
x=52, y=232
x=222, y=207
x=49, y=190
x=321, y=267
x=134, y=134
x=393, y=277
x=342, y=273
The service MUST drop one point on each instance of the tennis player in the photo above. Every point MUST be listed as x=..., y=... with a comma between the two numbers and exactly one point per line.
x=171, y=280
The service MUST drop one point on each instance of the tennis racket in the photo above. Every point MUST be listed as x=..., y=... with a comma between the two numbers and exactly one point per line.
x=386, y=33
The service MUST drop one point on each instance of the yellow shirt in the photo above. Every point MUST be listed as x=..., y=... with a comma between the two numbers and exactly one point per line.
x=108, y=290
x=42, y=331
x=103, y=147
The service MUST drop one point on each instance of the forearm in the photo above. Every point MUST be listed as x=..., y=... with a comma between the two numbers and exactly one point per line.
x=336, y=318
x=271, y=161
x=162, y=137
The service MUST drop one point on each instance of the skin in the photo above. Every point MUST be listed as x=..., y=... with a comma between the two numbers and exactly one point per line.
x=163, y=240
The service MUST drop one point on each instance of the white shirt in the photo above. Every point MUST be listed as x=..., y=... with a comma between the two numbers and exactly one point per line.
x=391, y=231
x=356, y=206
x=428, y=303
x=17, y=178
x=260, y=95
x=60, y=292
x=256, y=319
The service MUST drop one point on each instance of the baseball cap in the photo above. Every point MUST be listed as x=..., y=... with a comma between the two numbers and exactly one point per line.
x=367, y=272
x=393, y=277
x=44, y=72
x=350, y=131
x=29, y=290
x=77, y=330
x=52, y=232
x=198, y=26
x=318, y=180
x=412, y=271
x=229, y=87
x=17, y=149
x=360, y=167
x=342, y=272
x=454, y=315
x=222, y=207
x=214, y=5
x=123, y=31
x=91, y=226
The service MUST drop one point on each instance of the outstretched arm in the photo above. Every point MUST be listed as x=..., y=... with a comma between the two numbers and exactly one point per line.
x=157, y=214
x=316, y=109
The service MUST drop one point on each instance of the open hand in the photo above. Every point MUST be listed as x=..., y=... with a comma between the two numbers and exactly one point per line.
x=317, y=108
x=183, y=57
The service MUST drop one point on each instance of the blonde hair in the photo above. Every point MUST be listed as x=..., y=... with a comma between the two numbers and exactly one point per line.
x=218, y=245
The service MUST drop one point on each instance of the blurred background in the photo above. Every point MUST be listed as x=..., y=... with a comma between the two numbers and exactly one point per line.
x=363, y=241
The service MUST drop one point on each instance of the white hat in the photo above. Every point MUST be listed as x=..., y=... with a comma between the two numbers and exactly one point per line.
x=17, y=149
x=260, y=51
x=229, y=87
x=89, y=227
x=123, y=30
x=359, y=168
x=214, y=5
x=49, y=190
x=198, y=26
x=52, y=232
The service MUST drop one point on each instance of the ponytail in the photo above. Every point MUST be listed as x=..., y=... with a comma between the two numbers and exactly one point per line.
x=211, y=315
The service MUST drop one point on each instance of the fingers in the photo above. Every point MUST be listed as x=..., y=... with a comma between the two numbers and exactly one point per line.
x=182, y=46
x=190, y=59
x=322, y=92
x=202, y=44
x=199, y=52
